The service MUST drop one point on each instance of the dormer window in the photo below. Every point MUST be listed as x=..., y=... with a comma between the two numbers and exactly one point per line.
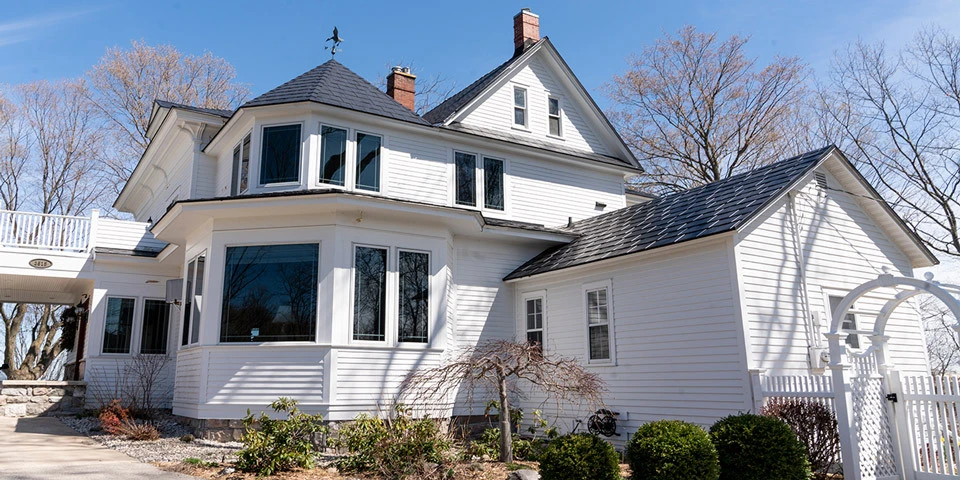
x=241, y=167
x=333, y=153
x=368, y=162
x=553, y=115
x=520, y=107
x=280, y=155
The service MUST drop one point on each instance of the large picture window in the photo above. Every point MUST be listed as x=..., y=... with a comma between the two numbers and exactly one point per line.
x=466, y=166
x=414, y=273
x=368, y=162
x=270, y=293
x=280, y=154
x=156, y=322
x=493, y=183
x=370, y=294
x=241, y=167
x=118, y=326
x=333, y=152
x=598, y=323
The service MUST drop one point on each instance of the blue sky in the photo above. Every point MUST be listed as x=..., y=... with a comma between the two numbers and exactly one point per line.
x=271, y=42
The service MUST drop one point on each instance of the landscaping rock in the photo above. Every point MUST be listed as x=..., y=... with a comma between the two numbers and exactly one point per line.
x=524, y=474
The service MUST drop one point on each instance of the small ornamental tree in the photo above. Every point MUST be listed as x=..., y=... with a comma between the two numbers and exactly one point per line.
x=502, y=366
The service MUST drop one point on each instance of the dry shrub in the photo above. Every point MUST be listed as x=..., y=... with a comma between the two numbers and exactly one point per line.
x=113, y=417
x=140, y=431
x=816, y=426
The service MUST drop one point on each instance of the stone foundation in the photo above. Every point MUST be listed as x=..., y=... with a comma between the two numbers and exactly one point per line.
x=32, y=398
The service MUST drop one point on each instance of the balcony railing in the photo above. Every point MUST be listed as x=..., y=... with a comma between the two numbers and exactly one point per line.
x=45, y=232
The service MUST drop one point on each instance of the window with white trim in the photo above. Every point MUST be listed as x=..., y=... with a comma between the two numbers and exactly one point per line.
x=520, y=106
x=553, y=116
x=467, y=171
x=391, y=295
x=240, y=182
x=156, y=320
x=368, y=161
x=849, y=321
x=533, y=317
x=192, y=305
x=493, y=183
x=118, y=325
x=466, y=167
x=333, y=155
x=413, y=270
x=599, y=342
x=370, y=293
x=280, y=154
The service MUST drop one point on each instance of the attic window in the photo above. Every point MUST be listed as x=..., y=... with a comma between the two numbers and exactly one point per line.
x=553, y=116
x=821, y=179
x=520, y=106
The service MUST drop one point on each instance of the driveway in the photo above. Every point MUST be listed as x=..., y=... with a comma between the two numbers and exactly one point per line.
x=44, y=448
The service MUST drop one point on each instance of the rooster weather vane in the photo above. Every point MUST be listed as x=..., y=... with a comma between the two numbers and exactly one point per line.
x=336, y=43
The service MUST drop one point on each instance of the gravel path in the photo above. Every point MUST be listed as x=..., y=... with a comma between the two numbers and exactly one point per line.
x=168, y=448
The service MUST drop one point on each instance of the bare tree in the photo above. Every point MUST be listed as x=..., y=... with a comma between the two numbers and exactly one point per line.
x=126, y=83
x=696, y=110
x=897, y=114
x=505, y=367
x=943, y=346
x=430, y=91
x=31, y=341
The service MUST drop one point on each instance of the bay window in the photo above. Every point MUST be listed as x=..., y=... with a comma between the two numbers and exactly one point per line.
x=240, y=181
x=270, y=293
x=370, y=294
x=395, y=277
x=414, y=286
x=280, y=154
x=368, y=161
x=156, y=322
x=193, y=301
x=333, y=154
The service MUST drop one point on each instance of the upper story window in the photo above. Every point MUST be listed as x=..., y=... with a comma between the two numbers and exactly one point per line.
x=270, y=293
x=118, y=326
x=599, y=341
x=849, y=321
x=280, y=154
x=466, y=166
x=493, y=183
x=240, y=182
x=397, y=277
x=520, y=106
x=553, y=116
x=333, y=155
x=368, y=161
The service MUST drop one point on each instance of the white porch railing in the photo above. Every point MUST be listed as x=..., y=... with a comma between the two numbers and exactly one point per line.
x=46, y=232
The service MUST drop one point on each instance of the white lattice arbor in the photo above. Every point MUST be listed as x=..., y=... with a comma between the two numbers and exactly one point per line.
x=872, y=437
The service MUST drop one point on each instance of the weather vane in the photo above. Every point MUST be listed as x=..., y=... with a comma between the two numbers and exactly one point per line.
x=336, y=43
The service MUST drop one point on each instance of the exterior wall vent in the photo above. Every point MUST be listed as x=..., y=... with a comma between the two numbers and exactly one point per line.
x=821, y=179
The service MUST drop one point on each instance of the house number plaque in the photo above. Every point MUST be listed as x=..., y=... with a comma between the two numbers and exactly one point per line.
x=41, y=263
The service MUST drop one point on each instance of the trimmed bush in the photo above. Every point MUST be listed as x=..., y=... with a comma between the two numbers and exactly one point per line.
x=757, y=447
x=672, y=450
x=815, y=426
x=579, y=456
x=279, y=444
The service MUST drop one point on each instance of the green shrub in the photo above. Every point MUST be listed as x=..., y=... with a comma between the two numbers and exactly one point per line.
x=397, y=448
x=578, y=456
x=672, y=450
x=524, y=447
x=757, y=447
x=279, y=444
x=816, y=426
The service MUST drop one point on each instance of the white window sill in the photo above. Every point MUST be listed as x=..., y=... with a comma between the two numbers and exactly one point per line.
x=521, y=129
x=555, y=137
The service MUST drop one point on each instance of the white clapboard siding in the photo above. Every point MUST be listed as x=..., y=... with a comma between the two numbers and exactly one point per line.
x=496, y=112
x=551, y=194
x=368, y=378
x=416, y=169
x=113, y=377
x=126, y=235
x=842, y=248
x=186, y=393
x=678, y=349
x=246, y=375
x=173, y=184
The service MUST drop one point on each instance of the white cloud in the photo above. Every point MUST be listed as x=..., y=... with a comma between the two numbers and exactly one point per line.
x=23, y=29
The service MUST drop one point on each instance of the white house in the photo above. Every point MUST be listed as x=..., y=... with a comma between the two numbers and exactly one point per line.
x=328, y=241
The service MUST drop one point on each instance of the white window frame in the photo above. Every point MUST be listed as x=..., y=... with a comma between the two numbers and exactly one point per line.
x=590, y=287
x=524, y=298
x=479, y=179
x=350, y=159
x=143, y=307
x=389, y=322
x=354, y=169
x=303, y=154
x=482, y=191
x=183, y=310
x=477, y=160
x=558, y=116
x=238, y=167
x=396, y=293
x=134, y=331
x=829, y=293
x=526, y=107
x=223, y=273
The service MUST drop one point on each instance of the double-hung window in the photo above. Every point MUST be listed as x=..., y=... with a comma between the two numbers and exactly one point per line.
x=192, y=306
x=270, y=293
x=333, y=155
x=520, y=107
x=377, y=283
x=118, y=325
x=553, y=115
x=599, y=341
x=533, y=316
x=368, y=161
x=849, y=321
x=240, y=182
x=156, y=322
x=466, y=192
x=280, y=154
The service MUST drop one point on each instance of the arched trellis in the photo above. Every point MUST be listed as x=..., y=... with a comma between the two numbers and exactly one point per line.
x=846, y=384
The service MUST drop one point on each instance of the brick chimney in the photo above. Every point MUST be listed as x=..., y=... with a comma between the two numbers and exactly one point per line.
x=401, y=85
x=526, y=30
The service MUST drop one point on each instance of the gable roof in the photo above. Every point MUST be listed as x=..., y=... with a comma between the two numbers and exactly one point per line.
x=209, y=111
x=700, y=212
x=334, y=84
x=460, y=99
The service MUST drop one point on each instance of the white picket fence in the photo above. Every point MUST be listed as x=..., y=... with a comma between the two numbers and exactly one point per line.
x=44, y=232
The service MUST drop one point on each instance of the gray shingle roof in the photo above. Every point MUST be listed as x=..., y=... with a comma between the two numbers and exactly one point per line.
x=696, y=213
x=211, y=111
x=334, y=84
x=440, y=113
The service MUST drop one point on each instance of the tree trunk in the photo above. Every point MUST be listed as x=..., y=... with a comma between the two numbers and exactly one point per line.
x=506, y=436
